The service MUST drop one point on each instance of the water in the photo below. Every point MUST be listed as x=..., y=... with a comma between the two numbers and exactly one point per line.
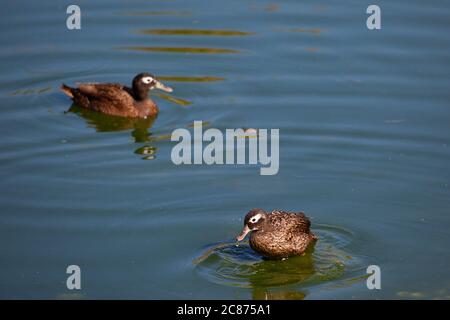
x=365, y=149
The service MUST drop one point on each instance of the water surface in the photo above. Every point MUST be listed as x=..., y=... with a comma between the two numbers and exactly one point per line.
x=365, y=148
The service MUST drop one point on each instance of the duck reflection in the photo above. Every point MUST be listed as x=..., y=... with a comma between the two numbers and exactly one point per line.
x=267, y=279
x=274, y=280
x=267, y=294
x=106, y=123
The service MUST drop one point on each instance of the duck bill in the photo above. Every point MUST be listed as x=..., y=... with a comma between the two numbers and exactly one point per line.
x=243, y=234
x=162, y=87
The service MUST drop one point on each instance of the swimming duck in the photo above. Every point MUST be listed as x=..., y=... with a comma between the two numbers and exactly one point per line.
x=278, y=234
x=116, y=99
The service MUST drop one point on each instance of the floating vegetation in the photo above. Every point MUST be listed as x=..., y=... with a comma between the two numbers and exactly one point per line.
x=182, y=50
x=190, y=79
x=194, y=32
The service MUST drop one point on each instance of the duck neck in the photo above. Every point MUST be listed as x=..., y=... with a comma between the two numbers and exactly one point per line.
x=265, y=227
x=140, y=94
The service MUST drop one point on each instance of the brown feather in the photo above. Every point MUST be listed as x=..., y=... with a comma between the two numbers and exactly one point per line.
x=284, y=234
x=110, y=98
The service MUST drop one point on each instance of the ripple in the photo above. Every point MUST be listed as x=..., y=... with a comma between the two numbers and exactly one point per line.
x=304, y=30
x=191, y=79
x=30, y=91
x=194, y=32
x=329, y=260
x=157, y=13
x=301, y=30
x=182, y=50
x=178, y=101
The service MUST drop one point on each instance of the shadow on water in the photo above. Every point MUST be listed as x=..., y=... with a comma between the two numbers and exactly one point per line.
x=106, y=123
x=328, y=261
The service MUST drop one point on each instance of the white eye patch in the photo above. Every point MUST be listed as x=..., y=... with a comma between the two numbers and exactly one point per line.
x=147, y=80
x=255, y=219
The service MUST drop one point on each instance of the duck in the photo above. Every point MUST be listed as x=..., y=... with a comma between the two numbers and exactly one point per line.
x=278, y=234
x=117, y=99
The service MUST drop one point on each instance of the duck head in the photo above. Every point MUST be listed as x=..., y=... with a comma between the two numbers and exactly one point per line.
x=144, y=82
x=254, y=220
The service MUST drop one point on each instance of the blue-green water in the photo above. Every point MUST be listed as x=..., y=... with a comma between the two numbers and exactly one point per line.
x=364, y=148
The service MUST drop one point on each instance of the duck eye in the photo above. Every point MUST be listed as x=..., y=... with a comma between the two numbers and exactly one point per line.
x=147, y=80
x=255, y=218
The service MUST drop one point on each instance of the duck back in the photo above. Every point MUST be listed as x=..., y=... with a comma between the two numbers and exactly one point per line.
x=286, y=234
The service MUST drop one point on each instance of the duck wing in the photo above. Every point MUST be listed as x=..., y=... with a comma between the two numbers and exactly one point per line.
x=101, y=89
x=110, y=98
x=290, y=221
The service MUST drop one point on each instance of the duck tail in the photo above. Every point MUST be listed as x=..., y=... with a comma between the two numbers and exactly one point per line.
x=306, y=225
x=67, y=90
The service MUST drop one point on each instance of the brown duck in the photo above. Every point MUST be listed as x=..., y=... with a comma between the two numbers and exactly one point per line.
x=278, y=234
x=116, y=99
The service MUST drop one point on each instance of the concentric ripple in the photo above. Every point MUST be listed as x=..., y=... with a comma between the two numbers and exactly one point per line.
x=238, y=265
